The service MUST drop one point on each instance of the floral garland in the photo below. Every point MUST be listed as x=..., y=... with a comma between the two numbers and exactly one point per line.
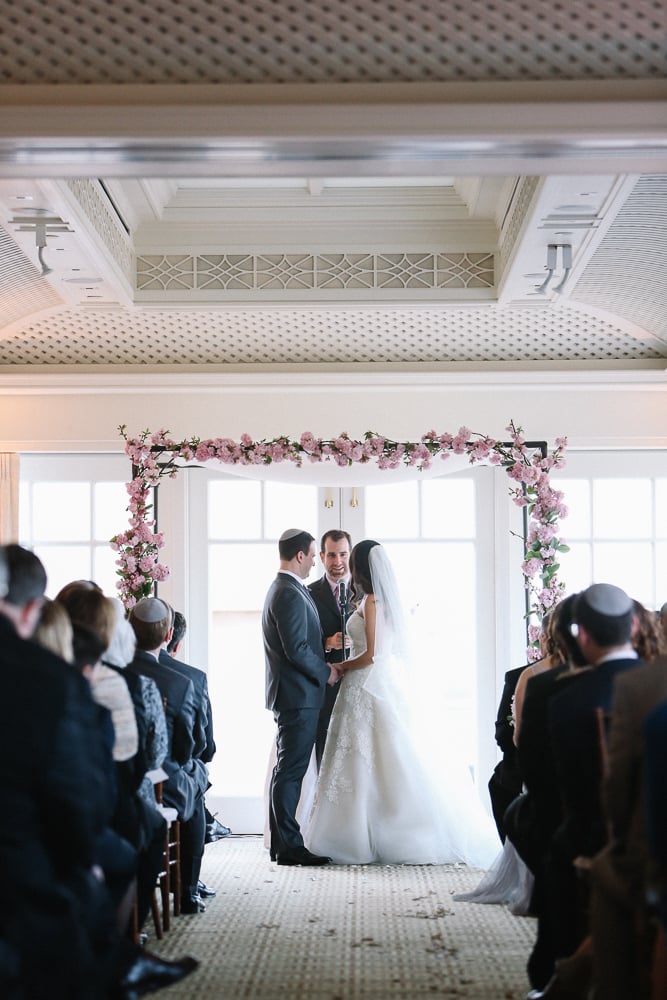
x=154, y=456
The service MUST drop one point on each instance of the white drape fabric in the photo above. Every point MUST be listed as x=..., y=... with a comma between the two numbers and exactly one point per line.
x=9, y=497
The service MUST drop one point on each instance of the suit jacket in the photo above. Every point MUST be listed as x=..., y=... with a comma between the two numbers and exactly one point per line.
x=636, y=693
x=296, y=670
x=204, y=742
x=53, y=772
x=329, y=612
x=55, y=806
x=186, y=782
x=576, y=753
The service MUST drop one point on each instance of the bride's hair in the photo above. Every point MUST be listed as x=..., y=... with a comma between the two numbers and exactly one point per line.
x=360, y=565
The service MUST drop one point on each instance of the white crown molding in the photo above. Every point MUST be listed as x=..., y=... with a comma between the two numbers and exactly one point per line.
x=329, y=129
x=154, y=380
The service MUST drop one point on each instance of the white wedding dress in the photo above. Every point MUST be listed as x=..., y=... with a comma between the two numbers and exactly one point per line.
x=378, y=798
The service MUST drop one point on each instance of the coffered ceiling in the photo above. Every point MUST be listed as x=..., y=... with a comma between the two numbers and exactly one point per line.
x=433, y=185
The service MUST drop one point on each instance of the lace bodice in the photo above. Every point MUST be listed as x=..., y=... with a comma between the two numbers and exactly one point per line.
x=356, y=629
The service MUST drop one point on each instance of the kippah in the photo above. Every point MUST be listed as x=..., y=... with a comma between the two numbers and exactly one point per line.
x=150, y=609
x=290, y=533
x=607, y=600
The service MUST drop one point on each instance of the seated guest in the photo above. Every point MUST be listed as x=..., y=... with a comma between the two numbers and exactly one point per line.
x=604, y=616
x=534, y=816
x=620, y=874
x=214, y=829
x=153, y=747
x=86, y=605
x=186, y=783
x=57, y=924
x=202, y=754
x=54, y=630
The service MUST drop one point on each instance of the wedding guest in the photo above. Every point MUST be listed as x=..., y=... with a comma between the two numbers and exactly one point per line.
x=550, y=657
x=604, y=616
x=143, y=816
x=621, y=872
x=186, y=784
x=202, y=755
x=54, y=630
x=533, y=817
x=334, y=555
x=215, y=830
x=296, y=677
x=87, y=605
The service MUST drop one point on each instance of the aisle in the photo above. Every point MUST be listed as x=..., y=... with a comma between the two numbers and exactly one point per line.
x=344, y=932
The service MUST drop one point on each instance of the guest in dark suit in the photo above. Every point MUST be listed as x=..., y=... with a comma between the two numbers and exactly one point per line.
x=202, y=754
x=296, y=677
x=326, y=592
x=215, y=830
x=604, y=616
x=621, y=872
x=186, y=783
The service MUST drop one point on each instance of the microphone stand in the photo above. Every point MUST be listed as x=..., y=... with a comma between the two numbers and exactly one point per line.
x=343, y=597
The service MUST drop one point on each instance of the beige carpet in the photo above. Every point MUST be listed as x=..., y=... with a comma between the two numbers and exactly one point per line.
x=344, y=932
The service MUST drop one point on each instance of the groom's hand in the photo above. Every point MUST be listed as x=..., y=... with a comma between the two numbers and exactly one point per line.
x=334, y=675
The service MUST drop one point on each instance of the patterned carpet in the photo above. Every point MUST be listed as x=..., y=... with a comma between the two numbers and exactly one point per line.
x=339, y=933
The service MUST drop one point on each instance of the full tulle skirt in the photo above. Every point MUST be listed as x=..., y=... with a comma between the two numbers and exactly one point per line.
x=381, y=799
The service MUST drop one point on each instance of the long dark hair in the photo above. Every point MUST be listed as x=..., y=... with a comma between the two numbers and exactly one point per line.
x=360, y=565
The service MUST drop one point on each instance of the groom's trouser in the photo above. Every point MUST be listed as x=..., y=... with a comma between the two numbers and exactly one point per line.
x=297, y=730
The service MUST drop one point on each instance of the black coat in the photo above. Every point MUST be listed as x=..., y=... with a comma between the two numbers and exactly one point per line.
x=204, y=742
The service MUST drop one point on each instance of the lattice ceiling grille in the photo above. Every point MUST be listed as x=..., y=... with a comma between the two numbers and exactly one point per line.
x=626, y=275
x=291, y=336
x=269, y=41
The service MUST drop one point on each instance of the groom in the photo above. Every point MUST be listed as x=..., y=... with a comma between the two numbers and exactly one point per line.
x=296, y=678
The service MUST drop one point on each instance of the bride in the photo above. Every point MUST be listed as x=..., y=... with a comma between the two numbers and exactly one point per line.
x=379, y=799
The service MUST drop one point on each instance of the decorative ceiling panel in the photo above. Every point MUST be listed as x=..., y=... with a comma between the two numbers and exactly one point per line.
x=330, y=336
x=269, y=41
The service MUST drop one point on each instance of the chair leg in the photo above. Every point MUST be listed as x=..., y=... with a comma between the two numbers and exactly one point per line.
x=157, y=922
x=174, y=862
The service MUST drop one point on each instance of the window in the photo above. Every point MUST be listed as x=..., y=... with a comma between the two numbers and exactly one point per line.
x=69, y=508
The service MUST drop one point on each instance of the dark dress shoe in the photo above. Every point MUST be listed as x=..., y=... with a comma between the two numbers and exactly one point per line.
x=204, y=891
x=215, y=831
x=193, y=904
x=302, y=856
x=149, y=973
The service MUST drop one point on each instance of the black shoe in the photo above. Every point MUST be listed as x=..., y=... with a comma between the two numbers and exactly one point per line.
x=204, y=892
x=149, y=973
x=302, y=856
x=215, y=831
x=192, y=904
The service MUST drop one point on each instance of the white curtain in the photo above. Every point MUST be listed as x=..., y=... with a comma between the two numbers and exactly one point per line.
x=9, y=497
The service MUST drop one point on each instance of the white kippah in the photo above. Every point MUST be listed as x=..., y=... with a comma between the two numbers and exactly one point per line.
x=290, y=533
x=607, y=599
x=150, y=609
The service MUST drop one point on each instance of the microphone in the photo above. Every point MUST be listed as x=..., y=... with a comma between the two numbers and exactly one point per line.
x=342, y=596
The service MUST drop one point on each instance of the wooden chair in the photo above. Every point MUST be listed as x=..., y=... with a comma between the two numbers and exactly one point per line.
x=169, y=877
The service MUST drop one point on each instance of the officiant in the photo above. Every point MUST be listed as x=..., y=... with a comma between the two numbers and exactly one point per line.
x=334, y=602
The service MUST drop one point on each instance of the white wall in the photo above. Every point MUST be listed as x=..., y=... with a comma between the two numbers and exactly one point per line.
x=82, y=412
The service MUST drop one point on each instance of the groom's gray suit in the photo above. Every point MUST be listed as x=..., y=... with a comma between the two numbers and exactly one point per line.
x=296, y=678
